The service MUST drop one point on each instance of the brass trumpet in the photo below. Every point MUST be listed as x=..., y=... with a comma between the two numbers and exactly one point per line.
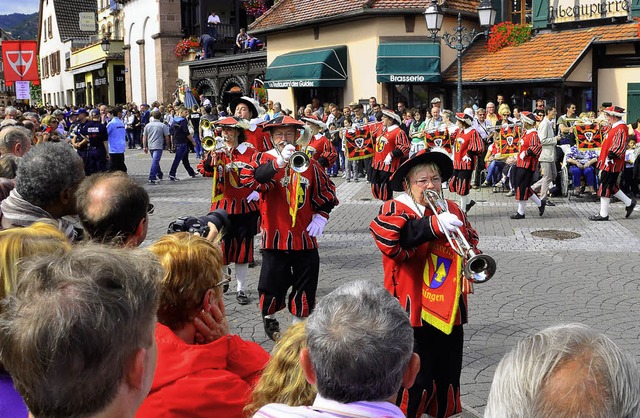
x=478, y=268
x=218, y=144
x=205, y=123
x=299, y=161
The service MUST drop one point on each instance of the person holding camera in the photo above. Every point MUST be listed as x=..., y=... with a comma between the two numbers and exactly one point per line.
x=224, y=163
x=297, y=197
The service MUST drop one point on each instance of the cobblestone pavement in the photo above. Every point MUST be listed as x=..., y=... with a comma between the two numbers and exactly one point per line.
x=593, y=279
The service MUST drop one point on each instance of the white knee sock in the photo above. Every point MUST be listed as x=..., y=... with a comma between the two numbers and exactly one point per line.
x=521, y=205
x=464, y=201
x=535, y=199
x=241, y=275
x=604, y=206
x=623, y=197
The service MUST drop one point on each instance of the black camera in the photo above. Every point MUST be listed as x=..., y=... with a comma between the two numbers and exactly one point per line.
x=199, y=225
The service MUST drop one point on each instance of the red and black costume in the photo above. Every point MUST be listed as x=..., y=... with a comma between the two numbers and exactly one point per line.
x=392, y=141
x=256, y=137
x=406, y=239
x=290, y=256
x=611, y=159
x=321, y=150
x=467, y=145
x=237, y=240
x=526, y=164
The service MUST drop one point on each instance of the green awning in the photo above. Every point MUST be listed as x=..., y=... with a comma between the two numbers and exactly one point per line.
x=408, y=62
x=322, y=67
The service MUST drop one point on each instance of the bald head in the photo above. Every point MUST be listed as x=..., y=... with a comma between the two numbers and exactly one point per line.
x=15, y=140
x=113, y=209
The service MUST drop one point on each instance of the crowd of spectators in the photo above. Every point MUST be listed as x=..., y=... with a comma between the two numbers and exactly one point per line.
x=91, y=325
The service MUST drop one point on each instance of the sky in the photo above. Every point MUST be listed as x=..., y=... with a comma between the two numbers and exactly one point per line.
x=23, y=6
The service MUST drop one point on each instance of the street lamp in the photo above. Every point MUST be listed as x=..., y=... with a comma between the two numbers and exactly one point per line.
x=461, y=39
x=106, y=45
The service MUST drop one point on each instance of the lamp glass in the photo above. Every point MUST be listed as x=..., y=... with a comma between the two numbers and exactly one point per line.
x=105, y=44
x=487, y=16
x=433, y=16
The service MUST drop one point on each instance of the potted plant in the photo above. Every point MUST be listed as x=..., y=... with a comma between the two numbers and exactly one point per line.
x=187, y=47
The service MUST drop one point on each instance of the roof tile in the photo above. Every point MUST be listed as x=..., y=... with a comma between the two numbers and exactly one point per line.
x=545, y=56
x=68, y=20
x=294, y=12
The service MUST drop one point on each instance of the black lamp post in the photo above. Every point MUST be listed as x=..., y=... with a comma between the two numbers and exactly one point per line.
x=106, y=45
x=461, y=39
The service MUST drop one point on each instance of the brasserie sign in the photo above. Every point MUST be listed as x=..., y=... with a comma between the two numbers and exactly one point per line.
x=564, y=11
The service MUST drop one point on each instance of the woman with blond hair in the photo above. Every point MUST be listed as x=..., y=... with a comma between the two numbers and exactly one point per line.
x=16, y=245
x=282, y=380
x=203, y=370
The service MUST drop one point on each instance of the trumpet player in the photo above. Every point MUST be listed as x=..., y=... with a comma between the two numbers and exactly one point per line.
x=425, y=273
x=241, y=203
x=317, y=145
x=297, y=197
x=249, y=109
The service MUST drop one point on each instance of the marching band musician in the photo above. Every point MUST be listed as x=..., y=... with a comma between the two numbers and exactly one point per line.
x=611, y=163
x=466, y=148
x=390, y=148
x=526, y=164
x=241, y=203
x=319, y=147
x=249, y=109
x=295, y=208
x=424, y=273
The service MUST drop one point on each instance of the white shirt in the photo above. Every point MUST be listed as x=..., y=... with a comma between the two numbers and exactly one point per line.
x=213, y=20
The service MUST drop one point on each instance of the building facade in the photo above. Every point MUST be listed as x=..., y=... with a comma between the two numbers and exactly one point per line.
x=63, y=26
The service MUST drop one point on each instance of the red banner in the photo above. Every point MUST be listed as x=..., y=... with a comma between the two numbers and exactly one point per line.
x=588, y=136
x=20, y=61
x=509, y=141
x=359, y=143
x=436, y=138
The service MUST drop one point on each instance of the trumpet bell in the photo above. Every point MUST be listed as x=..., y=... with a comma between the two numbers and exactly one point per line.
x=480, y=268
x=299, y=161
x=205, y=123
x=208, y=143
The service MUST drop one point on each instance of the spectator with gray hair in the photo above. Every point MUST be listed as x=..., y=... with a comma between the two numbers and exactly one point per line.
x=46, y=183
x=77, y=334
x=359, y=353
x=11, y=115
x=15, y=140
x=565, y=371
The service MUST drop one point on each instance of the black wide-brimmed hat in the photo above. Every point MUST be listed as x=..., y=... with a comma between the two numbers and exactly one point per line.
x=439, y=158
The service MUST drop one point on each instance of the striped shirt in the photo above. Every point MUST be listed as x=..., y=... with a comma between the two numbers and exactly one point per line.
x=325, y=408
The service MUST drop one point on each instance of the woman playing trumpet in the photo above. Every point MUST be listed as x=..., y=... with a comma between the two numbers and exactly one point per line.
x=224, y=163
x=425, y=273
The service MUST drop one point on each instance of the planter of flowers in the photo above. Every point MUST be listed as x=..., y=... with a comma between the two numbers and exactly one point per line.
x=187, y=48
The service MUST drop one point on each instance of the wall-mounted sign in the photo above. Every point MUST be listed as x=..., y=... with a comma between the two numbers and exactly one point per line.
x=80, y=85
x=23, y=91
x=565, y=11
x=87, y=21
x=100, y=82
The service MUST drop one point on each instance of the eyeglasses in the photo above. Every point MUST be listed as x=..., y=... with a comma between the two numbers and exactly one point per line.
x=223, y=282
x=286, y=135
x=423, y=182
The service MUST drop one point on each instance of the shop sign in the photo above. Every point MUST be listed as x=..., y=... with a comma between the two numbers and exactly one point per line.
x=565, y=11
x=100, y=82
x=407, y=79
x=290, y=83
x=81, y=85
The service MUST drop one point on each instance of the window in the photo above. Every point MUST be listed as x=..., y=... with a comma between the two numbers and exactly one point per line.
x=49, y=28
x=520, y=11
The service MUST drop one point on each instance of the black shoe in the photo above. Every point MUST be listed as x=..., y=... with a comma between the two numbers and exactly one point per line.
x=550, y=203
x=272, y=328
x=242, y=298
x=470, y=205
x=598, y=218
x=630, y=208
x=517, y=216
x=543, y=204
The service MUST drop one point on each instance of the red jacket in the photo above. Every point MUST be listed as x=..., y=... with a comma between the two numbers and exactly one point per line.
x=404, y=263
x=392, y=141
x=209, y=380
x=468, y=143
x=530, y=141
x=321, y=150
x=616, y=143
